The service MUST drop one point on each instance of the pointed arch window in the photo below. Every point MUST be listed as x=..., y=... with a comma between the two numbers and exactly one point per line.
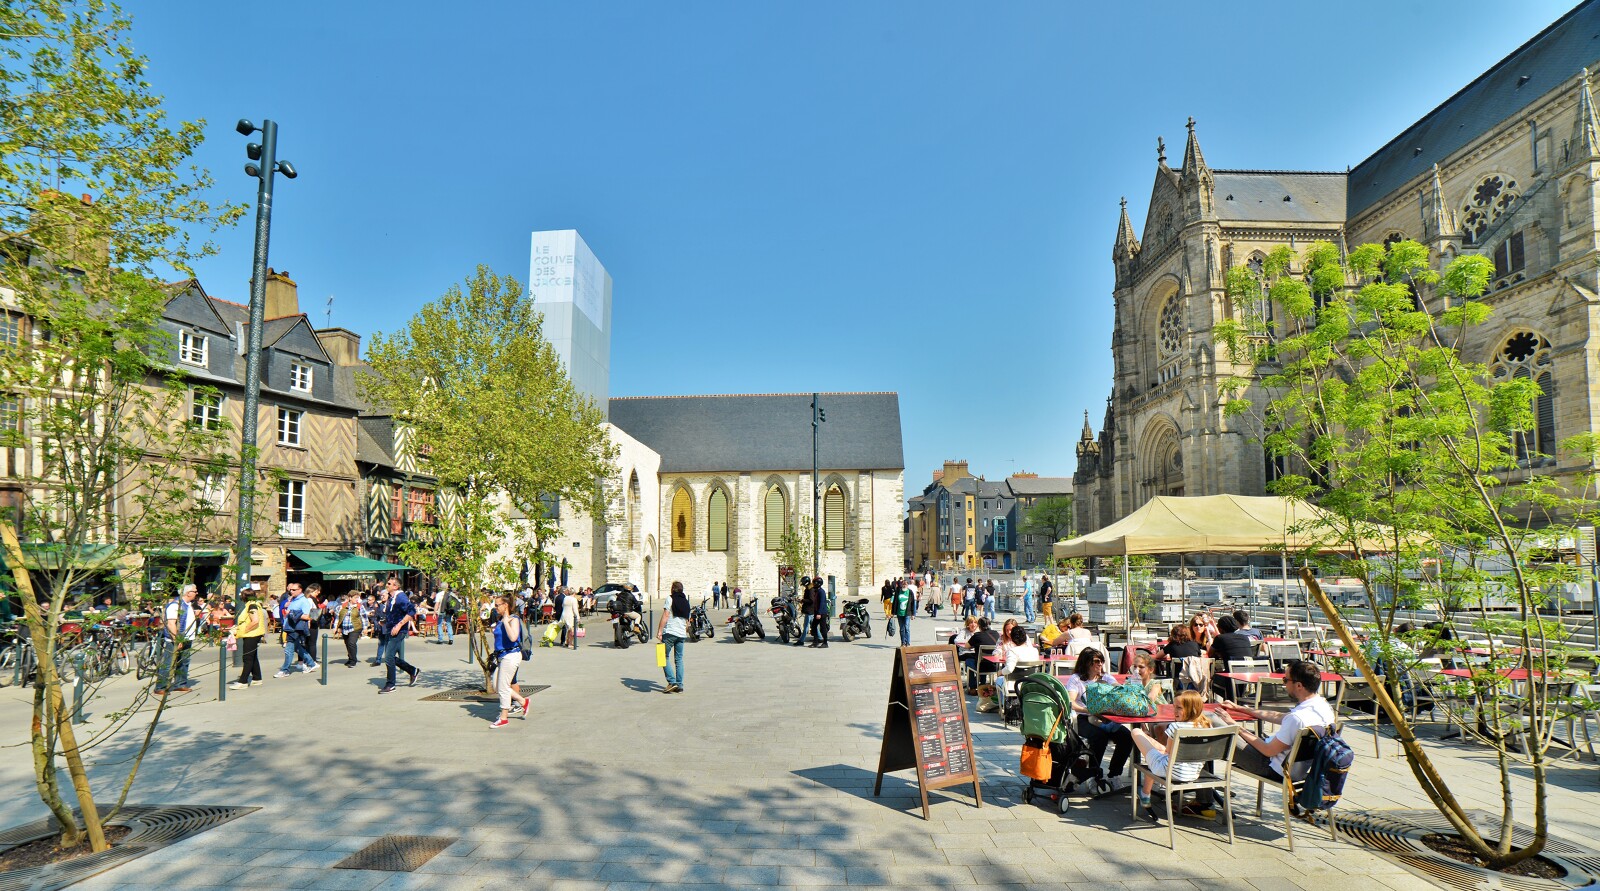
x=682, y=520
x=1528, y=355
x=1488, y=201
x=717, y=520
x=776, y=513
x=833, y=519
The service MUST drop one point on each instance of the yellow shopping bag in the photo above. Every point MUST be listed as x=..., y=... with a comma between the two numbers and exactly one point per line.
x=661, y=655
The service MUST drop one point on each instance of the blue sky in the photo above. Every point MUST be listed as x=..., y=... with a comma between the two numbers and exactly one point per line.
x=908, y=196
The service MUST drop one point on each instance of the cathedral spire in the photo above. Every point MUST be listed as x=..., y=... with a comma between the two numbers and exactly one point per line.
x=1588, y=127
x=1436, y=225
x=1193, y=161
x=1127, y=245
x=1088, y=432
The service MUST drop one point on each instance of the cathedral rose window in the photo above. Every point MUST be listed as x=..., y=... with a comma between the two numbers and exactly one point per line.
x=1171, y=327
x=1491, y=198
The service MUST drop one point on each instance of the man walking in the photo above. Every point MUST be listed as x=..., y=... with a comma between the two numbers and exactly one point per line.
x=969, y=599
x=904, y=607
x=178, y=631
x=988, y=600
x=819, y=614
x=350, y=619
x=1046, y=601
x=444, y=607
x=1027, y=600
x=400, y=619
x=296, y=630
x=380, y=628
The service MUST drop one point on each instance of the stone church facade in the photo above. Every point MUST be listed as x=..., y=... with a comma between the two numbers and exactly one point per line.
x=1506, y=168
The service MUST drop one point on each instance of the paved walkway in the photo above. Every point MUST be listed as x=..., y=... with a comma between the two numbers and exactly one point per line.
x=760, y=775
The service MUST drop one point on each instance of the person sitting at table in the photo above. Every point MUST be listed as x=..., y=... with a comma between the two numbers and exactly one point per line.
x=1189, y=711
x=1018, y=649
x=1203, y=629
x=1004, y=646
x=983, y=637
x=968, y=628
x=1264, y=757
x=1181, y=644
x=1144, y=674
x=1243, y=619
x=1052, y=630
x=1099, y=733
x=1229, y=645
x=1076, y=638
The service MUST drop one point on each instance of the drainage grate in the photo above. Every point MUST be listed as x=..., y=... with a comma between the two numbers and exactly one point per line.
x=397, y=853
x=476, y=694
x=150, y=828
x=1397, y=835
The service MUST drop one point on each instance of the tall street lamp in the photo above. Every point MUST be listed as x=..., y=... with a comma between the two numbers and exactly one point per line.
x=263, y=165
x=818, y=418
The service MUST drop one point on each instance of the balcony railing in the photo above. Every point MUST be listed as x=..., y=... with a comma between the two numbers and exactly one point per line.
x=291, y=530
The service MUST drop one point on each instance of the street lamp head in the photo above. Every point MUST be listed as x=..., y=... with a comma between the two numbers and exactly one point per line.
x=285, y=168
x=253, y=170
x=244, y=127
x=253, y=151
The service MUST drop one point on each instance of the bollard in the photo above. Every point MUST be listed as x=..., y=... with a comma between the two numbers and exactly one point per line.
x=222, y=671
x=77, y=696
x=472, y=647
x=324, y=660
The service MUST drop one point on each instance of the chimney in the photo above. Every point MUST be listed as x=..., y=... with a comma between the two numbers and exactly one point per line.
x=955, y=470
x=341, y=345
x=283, y=297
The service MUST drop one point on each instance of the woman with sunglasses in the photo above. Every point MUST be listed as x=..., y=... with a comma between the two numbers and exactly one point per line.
x=1091, y=667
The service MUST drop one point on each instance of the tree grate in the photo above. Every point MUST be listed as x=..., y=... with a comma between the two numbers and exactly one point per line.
x=476, y=694
x=150, y=828
x=1397, y=836
x=397, y=853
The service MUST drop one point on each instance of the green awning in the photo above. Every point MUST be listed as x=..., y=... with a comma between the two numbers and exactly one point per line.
x=185, y=552
x=339, y=565
x=52, y=557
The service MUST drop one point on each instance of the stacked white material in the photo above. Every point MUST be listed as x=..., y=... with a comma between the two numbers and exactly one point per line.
x=1105, y=613
x=1104, y=592
x=1165, y=612
x=1205, y=594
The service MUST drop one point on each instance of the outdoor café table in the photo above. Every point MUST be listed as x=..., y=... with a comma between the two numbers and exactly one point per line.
x=1166, y=714
x=1256, y=679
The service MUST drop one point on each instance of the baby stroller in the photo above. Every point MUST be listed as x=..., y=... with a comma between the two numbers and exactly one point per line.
x=1044, y=698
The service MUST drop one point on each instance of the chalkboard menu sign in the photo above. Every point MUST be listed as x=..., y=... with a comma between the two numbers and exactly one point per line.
x=926, y=724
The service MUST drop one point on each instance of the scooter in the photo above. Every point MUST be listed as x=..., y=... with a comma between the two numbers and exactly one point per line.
x=786, y=614
x=700, y=623
x=854, y=621
x=745, y=622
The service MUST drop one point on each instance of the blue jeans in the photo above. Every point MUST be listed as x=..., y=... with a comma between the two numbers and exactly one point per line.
x=446, y=633
x=179, y=669
x=988, y=609
x=395, y=656
x=294, y=650
x=905, y=630
x=1027, y=607
x=674, y=666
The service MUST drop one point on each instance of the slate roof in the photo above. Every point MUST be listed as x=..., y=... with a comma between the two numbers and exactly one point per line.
x=1257, y=196
x=375, y=440
x=704, y=434
x=1040, y=485
x=1552, y=58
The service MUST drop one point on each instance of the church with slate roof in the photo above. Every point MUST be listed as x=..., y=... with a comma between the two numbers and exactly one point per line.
x=1505, y=168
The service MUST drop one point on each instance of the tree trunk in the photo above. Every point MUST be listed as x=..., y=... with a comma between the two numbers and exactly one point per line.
x=55, y=714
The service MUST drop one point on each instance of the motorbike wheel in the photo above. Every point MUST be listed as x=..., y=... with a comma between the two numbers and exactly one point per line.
x=738, y=634
x=761, y=633
x=867, y=631
x=783, y=633
x=711, y=631
x=847, y=634
x=643, y=635
x=694, y=636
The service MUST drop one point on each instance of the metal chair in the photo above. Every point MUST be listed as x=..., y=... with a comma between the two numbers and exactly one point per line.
x=973, y=673
x=1302, y=750
x=1355, y=691
x=1196, y=745
x=1279, y=652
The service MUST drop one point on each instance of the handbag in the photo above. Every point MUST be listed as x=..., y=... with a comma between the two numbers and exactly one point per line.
x=1036, y=760
x=1125, y=700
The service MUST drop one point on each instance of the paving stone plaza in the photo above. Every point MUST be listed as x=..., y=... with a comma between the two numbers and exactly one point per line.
x=760, y=774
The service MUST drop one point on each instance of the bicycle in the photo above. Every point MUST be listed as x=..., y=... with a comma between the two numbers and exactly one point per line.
x=17, y=659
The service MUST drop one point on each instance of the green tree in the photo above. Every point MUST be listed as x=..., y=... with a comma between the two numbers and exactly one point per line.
x=1421, y=460
x=497, y=421
x=86, y=382
x=794, y=545
x=1049, y=516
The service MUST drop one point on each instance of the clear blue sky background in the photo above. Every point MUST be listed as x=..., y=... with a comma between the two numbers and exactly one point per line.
x=909, y=196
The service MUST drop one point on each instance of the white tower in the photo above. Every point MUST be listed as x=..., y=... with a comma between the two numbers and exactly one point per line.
x=567, y=283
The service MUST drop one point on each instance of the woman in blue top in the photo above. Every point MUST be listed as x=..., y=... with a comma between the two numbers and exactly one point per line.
x=673, y=632
x=508, y=647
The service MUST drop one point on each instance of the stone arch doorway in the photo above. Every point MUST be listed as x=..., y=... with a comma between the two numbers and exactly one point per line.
x=1163, y=472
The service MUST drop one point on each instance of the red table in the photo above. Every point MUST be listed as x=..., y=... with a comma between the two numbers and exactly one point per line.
x=1166, y=714
x=1259, y=677
x=1510, y=674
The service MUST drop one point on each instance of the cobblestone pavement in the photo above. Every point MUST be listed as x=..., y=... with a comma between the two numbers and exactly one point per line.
x=759, y=775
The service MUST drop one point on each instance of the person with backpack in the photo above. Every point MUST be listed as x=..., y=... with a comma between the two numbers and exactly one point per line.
x=445, y=607
x=510, y=644
x=180, y=623
x=1264, y=757
x=673, y=631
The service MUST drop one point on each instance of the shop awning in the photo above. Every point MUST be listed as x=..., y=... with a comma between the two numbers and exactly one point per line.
x=339, y=565
x=185, y=552
x=51, y=557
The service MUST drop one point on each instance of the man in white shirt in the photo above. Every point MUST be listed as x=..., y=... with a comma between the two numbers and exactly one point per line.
x=1264, y=757
x=1019, y=651
x=181, y=624
x=445, y=615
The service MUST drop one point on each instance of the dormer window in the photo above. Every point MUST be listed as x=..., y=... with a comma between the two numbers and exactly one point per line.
x=192, y=348
x=300, y=377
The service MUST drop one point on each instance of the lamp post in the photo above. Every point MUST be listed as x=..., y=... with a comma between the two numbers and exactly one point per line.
x=264, y=166
x=818, y=417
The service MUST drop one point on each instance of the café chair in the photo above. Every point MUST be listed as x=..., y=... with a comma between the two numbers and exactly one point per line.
x=1356, y=694
x=1204, y=745
x=980, y=666
x=1303, y=750
x=1280, y=652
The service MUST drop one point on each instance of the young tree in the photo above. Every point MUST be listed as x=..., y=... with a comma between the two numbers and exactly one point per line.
x=497, y=421
x=86, y=388
x=1423, y=463
x=1049, y=516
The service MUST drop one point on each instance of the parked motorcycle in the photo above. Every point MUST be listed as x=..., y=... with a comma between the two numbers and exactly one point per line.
x=745, y=622
x=854, y=621
x=699, y=623
x=787, y=615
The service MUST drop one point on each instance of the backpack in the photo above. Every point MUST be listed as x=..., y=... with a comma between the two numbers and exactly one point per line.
x=552, y=635
x=524, y=641
x=1126, y=700
x=1330, y=767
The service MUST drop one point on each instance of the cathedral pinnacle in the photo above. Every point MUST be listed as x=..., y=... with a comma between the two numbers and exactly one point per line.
x=1161, y=155
x=1127, y=244
x=1588, y=127
x=1436, y=208
x=1193, y=161
x=1088, y=432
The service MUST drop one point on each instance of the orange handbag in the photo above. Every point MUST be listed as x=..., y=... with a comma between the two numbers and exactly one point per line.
x=1036, y=760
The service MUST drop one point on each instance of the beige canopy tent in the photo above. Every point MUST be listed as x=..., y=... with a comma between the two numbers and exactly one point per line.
x=1206, y=524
